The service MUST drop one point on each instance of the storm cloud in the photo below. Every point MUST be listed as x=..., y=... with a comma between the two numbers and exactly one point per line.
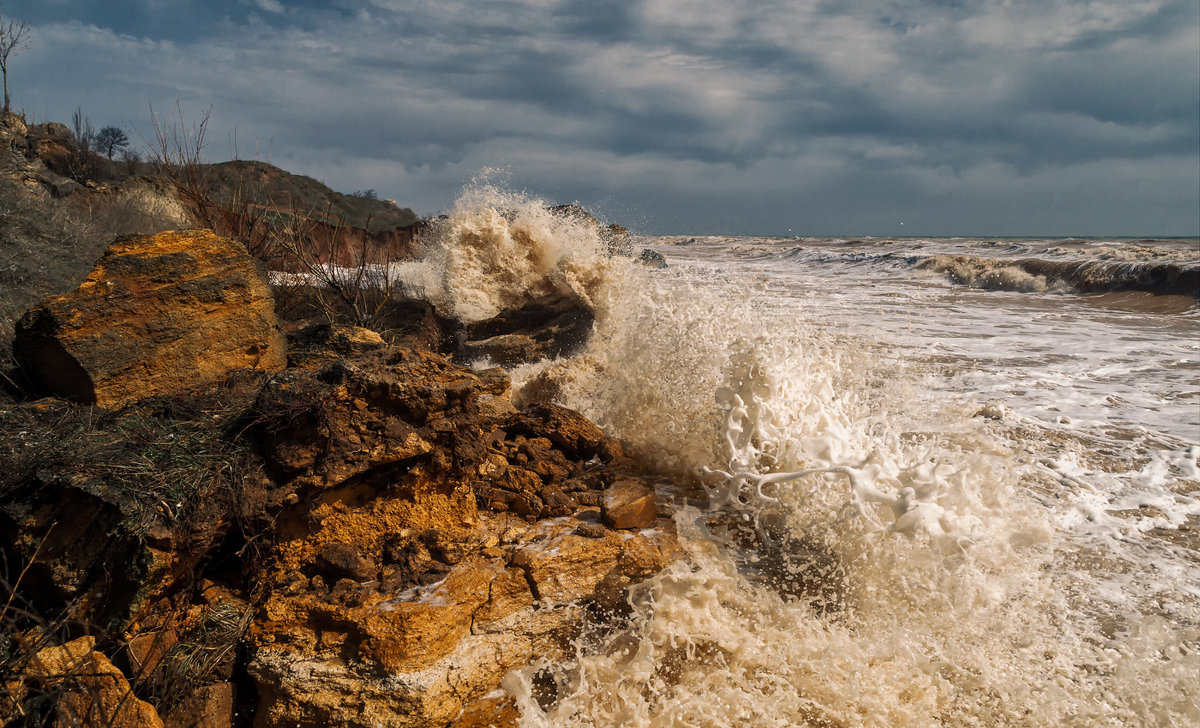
x=958, y=117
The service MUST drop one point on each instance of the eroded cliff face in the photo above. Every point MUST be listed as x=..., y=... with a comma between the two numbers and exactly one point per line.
x=450, y=538
x=365, y=534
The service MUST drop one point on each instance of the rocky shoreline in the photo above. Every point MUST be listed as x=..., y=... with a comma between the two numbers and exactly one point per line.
x=206, y=522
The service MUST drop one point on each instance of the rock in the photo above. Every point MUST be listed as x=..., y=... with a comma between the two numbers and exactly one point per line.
x=50, y=130
x=490, y=712
x=652, y=258
x=578, y=436
x=341, y=560
x=14, y=122
x=416, y=656
x=417, y=324
x=381, y=411
x=146, y=650
x=324, y=343
x=96, y=566
x=395, y=597
x=89, y=691
x=209, y=706
x=547, y=327
x=628, y=504
x=563, y=566
x=574, y=212
x=157, y=315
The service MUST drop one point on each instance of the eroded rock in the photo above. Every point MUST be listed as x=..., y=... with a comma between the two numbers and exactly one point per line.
x=414, y=654
x=550, y=326
x=629, y=504
x=404, y=588
x=90, y=691
x=158, y=314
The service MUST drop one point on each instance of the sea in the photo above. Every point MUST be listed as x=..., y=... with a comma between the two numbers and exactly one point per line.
x=917, y=481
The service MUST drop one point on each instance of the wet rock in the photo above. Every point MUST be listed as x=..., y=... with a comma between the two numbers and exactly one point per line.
x=591, y=530
x=578, y=436
x=628, y=504
x=158, y=314
x=563, y=566
x=498, y=712
x=417, y=324
x=415, y=651
x=652, y=258
x=551, y=326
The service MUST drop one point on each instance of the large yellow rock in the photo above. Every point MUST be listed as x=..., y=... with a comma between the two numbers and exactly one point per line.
x=157, y=315
x=91, y=691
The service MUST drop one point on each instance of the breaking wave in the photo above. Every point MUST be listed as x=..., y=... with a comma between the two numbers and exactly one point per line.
x=860, y=551
x=1090, y=276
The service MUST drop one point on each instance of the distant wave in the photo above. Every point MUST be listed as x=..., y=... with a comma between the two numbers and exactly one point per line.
x=1090, y=276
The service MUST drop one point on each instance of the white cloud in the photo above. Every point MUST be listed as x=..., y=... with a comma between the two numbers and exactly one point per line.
x=271, y=6
x=719, y=106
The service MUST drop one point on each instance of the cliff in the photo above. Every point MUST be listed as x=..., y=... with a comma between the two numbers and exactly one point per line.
x=341, y=529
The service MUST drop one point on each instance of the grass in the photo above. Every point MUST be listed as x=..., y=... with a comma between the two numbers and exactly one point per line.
x=157, y=461
x=177, y=469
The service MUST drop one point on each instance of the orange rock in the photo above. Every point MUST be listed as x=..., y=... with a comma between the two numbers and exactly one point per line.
x=490, y=712
x=628, y=504
x=209, y=706
x=157, y=315
x=147, y=650
x=93, y=692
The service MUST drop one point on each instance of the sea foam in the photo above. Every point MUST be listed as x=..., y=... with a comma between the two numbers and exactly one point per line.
x=951, y=600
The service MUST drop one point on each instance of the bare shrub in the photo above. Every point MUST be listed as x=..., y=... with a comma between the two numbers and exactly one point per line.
x=178, y=151
x=336, y=263
x=343, y=276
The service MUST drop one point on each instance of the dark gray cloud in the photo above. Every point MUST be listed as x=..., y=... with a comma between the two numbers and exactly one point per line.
x=755, y=116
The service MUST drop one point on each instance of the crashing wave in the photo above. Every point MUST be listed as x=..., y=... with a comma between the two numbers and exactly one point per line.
x=1090, y=276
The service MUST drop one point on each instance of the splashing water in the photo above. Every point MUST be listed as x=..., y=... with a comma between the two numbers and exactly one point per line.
x=498, y=250
x=938, y=584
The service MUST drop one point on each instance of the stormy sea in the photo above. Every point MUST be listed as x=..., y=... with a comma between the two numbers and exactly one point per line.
x=919, y=482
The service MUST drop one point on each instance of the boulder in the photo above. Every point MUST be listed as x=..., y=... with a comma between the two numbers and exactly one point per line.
x=157, y=315
x=652, y=258
x=629, y=504
x=89, y=690
x=547, y=327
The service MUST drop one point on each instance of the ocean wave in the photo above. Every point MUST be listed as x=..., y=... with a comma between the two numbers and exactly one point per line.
x=940, y=601
x=1089, y=276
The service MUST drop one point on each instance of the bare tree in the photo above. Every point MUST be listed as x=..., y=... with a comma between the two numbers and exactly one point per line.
x=110, y=139
x=82, y=161
x=14, y=38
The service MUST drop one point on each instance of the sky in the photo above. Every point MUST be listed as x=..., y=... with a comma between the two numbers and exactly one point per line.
x=808, y=117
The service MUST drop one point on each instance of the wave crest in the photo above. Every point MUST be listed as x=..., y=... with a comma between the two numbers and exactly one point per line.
x=1090, y=276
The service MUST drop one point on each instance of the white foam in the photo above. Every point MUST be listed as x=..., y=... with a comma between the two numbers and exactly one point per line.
x=964, y=597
